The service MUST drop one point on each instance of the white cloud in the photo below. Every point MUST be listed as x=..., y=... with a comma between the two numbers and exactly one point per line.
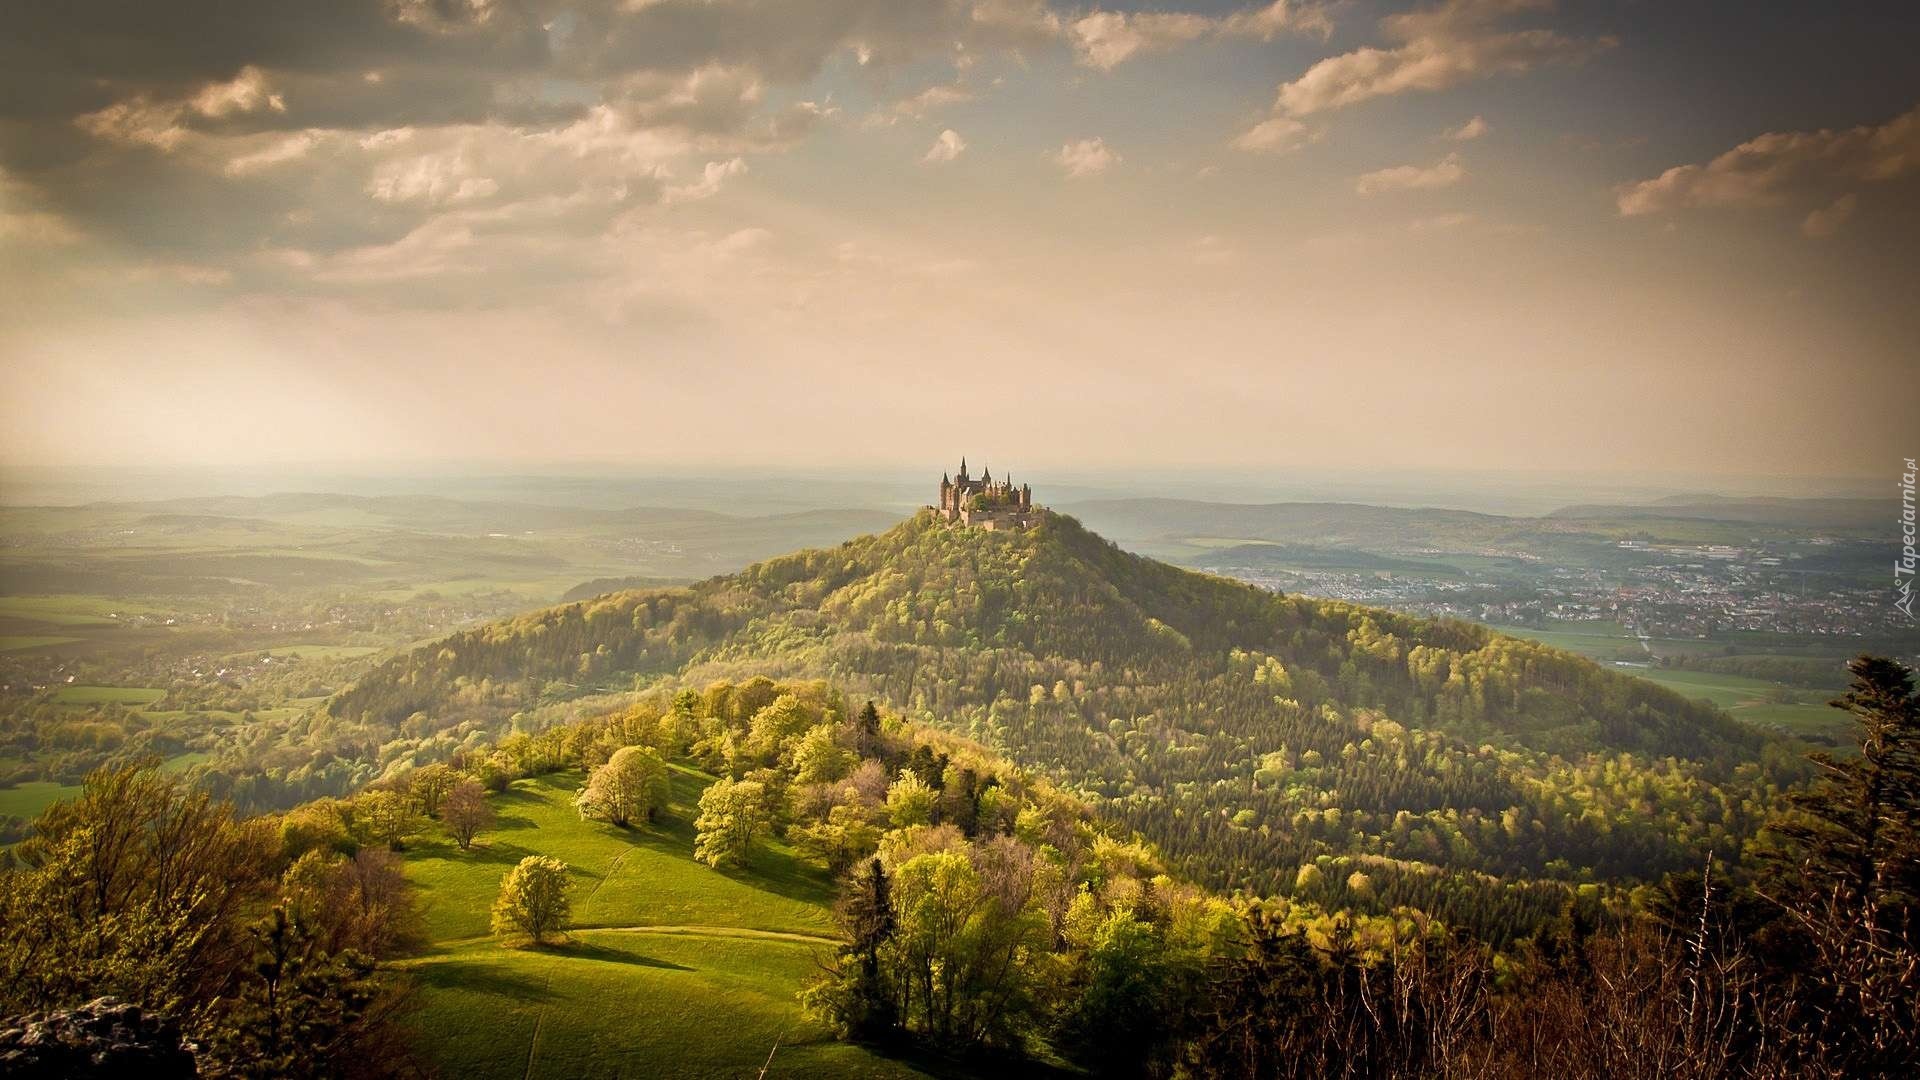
x=1086, y=157
x=1780, y=167
x=918, y=105
x=136, y=121
x=140, y=120
x=715, y=174
x=1281, y=16
x=277, y=152
x=738, y=242
x=1824, y=222
x=1433, y=49
x=1276, y=135
x=1106, y=39
x=244, y=93
x=1468, y=131
x=440, y=178
x=1443, y=173
x=945, y=148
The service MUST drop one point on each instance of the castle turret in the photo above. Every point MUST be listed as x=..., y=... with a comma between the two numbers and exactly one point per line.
x=983, y=502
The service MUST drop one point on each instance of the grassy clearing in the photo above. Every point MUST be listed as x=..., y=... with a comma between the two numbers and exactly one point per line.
x=136, y=696
x=1747, y=699
x=672, y=968
x=180, y=763
x=1744, y=698
x=29, y=799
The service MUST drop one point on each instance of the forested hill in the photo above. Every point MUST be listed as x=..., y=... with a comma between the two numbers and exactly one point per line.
x=904, y=606
x=1248, y=733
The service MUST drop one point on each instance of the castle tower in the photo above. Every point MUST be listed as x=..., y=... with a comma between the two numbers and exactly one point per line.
x=983, y=502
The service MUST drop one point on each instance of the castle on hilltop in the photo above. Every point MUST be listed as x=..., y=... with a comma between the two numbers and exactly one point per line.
x=984, y=502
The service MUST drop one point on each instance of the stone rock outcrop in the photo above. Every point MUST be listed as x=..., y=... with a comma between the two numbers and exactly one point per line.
x=102, y=1038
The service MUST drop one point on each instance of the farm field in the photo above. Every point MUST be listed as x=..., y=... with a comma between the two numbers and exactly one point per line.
x=1748, y=699
x=135, y=696
x=668, y=960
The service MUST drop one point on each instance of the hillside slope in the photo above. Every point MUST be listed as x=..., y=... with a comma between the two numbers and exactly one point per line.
x=1247, y=733
x=660, y=947
x=1031, y=608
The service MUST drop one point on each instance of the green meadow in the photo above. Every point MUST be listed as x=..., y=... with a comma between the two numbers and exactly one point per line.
x=135, y=696
x=1748, y=699
x=669, y=963
x=29, y=799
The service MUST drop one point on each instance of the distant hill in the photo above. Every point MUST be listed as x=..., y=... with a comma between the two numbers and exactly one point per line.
x=1824, y=514
x=1190, y=531
x=225, y=545
x=1205, y=713
x=1265, y=555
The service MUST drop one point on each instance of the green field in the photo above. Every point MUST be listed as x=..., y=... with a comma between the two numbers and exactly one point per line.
x=29, y=799
x=180, y=763
x=11, y=642
x=672, y=968
x=1742, y=697
x=71, y=610
x=137, y=696
x=1746, y=699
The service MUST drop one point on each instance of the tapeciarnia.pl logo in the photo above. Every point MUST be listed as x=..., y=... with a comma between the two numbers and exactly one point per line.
x=1903, y=567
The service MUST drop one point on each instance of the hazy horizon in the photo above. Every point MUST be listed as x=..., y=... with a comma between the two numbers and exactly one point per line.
x=771, y=487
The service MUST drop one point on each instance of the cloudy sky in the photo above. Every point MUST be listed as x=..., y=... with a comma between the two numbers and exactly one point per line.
x=1663, y=236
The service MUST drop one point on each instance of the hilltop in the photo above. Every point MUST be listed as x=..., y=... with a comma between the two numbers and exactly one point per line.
x=1248, y=733
x=1055, y=600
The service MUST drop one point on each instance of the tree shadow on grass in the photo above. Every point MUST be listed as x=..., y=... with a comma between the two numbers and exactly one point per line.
x=769, y=869
x=485, y=978
x=579, y=949
x=782, y=873
x=493, y=851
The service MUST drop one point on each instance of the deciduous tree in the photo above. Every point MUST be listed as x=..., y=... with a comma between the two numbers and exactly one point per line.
x=533, y=900
x=630, y=787
x=732, y=814
x=466, y=811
